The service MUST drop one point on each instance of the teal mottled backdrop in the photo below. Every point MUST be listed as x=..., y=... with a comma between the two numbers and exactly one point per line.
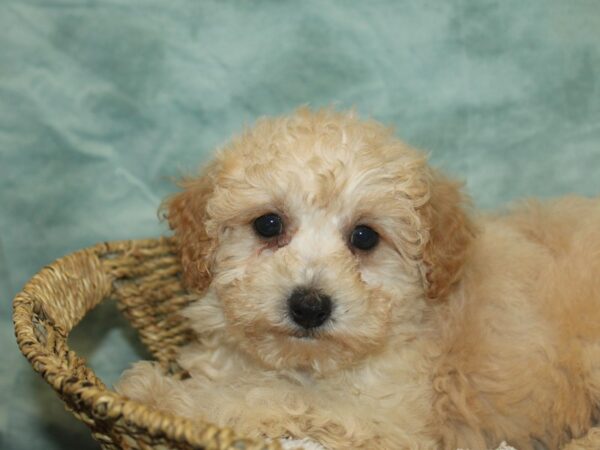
x=103, y=102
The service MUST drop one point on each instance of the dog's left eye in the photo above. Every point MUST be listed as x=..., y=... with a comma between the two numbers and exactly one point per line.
x=364, y=237
x=269, y=225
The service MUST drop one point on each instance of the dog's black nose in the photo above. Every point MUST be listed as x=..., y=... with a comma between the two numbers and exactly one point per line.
x=309, y=308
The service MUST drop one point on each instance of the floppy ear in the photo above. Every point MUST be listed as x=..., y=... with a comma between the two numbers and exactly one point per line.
x=450, y=234
x=187, y=216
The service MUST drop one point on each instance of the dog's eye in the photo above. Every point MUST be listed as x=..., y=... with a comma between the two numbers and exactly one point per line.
x=364, y=237
x=268, y=225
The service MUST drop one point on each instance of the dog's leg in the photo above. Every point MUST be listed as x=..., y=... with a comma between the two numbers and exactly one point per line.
x=247, y=409
x=146, y=383
x=591, y=441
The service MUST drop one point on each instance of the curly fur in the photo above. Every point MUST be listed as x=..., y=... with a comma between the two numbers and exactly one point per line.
x=457, y=330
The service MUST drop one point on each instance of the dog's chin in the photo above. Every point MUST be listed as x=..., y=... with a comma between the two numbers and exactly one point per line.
x=318, y=351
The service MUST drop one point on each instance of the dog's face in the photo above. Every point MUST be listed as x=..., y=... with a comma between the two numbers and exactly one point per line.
x=318, y=234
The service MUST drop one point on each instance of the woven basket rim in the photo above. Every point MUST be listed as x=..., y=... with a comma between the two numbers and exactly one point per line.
x=102, y=402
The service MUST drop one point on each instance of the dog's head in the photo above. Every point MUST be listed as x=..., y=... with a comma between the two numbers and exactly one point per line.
x=321, y=236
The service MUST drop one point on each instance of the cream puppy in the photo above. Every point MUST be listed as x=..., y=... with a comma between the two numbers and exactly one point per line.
x=347, y=294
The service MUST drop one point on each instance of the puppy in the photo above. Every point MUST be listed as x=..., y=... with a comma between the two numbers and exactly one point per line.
x=348, y=294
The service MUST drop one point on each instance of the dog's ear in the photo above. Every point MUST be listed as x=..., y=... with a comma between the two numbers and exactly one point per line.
x=450, y=234
x=187, y=216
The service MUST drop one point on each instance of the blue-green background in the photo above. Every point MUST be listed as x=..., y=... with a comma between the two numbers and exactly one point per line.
x=102, y=103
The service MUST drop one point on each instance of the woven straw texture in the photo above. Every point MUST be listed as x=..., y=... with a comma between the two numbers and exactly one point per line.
x=143, y=277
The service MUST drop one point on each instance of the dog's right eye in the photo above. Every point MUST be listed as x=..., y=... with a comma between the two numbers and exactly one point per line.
x=269, y=225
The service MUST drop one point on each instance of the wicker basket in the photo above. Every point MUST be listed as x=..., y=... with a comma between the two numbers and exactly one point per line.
x=143, y=276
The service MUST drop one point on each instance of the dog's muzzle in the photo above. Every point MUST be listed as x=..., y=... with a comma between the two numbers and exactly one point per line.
x=309, y=308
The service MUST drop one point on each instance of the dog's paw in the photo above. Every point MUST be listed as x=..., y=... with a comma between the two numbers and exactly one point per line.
x=147, y=383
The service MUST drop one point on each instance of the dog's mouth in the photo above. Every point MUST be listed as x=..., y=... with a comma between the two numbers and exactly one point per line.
x=307, y=335
x=304, y=334
x=299, y=334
